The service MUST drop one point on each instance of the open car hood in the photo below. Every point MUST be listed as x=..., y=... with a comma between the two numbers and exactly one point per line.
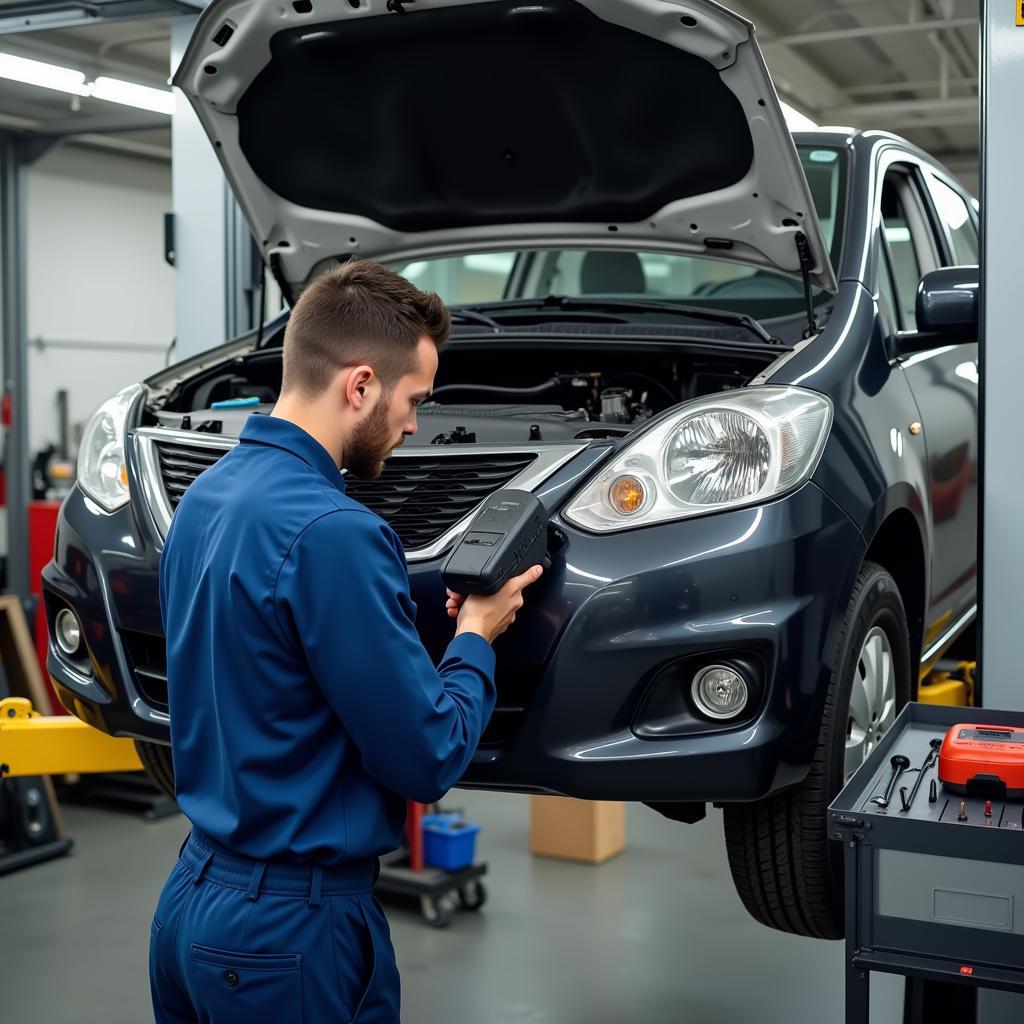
x=347, y=128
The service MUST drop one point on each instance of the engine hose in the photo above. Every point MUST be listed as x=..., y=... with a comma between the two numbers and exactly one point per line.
x=498, y=389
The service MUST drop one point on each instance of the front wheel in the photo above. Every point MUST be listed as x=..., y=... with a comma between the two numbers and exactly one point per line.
x=156, y=759
x=787, y=871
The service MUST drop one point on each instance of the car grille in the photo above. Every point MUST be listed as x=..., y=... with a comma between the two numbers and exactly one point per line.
x=420, y=496
x=147, y=659
x=515, y=685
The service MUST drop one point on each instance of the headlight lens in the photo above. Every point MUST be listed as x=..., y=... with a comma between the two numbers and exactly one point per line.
x=720, y=452
x=102, y=471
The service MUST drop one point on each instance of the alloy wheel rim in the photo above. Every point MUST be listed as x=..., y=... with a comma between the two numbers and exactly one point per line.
x=872, y=699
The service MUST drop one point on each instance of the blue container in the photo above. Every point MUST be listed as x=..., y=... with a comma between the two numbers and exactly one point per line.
x=449, y=842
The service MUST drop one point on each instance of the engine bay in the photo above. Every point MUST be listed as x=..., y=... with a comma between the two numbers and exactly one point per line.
x=494, y=393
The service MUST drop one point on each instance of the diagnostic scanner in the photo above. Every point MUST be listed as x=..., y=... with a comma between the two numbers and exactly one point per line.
x=506, y=537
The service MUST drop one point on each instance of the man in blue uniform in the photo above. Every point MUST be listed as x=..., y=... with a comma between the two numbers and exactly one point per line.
x=304, y=709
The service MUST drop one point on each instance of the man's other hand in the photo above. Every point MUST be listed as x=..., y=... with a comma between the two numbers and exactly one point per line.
x=491, y=616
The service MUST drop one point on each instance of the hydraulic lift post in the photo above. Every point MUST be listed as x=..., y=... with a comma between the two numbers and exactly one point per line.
x=1001, y=554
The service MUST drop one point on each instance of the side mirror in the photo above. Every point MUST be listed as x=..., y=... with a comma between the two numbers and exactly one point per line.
x=947, y=310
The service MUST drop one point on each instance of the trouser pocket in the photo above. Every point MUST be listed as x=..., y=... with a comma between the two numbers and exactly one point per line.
x=363, y=941
x=245, y=987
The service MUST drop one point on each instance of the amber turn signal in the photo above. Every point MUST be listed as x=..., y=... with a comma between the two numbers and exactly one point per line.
x=627, y=495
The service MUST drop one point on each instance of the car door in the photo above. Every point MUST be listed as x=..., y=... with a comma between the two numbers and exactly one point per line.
x=921, y=233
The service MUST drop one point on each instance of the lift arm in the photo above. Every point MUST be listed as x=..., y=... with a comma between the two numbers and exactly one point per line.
x=34, y=744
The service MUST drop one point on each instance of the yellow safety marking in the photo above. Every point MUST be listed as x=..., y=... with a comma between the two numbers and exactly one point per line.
x=33, y=744
x=1020, y=12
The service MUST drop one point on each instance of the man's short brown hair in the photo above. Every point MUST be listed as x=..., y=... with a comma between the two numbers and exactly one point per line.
x=359, y=313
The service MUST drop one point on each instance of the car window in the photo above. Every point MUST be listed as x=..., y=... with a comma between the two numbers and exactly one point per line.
x=887, y=295
x=954, y=213
x=490, y=277
x=906, y=232
x=477, y=277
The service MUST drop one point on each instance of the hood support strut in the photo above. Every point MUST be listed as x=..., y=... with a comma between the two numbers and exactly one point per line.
x=803, y=250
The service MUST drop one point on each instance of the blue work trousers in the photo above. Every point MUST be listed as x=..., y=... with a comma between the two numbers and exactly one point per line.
x=235, y=940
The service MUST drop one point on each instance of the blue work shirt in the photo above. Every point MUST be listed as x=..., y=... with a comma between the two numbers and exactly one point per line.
x=304, y=708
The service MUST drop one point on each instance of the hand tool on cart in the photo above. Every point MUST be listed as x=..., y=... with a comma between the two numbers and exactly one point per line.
x=933, y=755
x=900, y=763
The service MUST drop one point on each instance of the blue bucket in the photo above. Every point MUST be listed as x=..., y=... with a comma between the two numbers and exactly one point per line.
x=449, y=842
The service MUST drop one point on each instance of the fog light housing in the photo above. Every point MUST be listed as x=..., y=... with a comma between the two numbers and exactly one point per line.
x=720, y=692
x=68, y=632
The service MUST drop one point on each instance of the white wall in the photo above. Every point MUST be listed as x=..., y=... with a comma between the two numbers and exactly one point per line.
x=96, y=274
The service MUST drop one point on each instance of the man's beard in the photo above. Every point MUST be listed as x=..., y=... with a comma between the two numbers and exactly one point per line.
x=370, y=444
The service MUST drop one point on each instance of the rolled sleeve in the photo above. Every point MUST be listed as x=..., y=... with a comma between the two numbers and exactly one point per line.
x=343, y=589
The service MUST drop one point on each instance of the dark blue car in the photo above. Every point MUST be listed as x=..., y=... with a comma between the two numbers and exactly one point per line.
x=740, y=374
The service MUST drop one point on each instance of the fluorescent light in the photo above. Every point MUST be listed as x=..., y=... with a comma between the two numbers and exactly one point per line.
x=796, y=121
x=48, y=76
x=117, y=91
x=112, y=90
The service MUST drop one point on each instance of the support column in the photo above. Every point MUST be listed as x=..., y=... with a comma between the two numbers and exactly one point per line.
x=1002, y=371
x=215, y=276
x=13, y=173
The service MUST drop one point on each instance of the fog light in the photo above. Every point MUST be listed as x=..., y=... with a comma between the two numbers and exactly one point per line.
x=68, y=631
x=720, y=691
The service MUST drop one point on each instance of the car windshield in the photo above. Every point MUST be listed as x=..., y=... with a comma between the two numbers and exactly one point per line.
x=699, y=281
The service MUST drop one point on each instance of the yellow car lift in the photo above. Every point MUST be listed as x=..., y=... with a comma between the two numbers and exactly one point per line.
x=35, y=744
x=950, y=684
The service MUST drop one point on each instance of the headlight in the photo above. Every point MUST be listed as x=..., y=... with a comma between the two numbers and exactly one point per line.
x=720, y=452
x=102, y=472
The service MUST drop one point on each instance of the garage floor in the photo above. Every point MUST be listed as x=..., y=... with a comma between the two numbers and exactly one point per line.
x=657, y=935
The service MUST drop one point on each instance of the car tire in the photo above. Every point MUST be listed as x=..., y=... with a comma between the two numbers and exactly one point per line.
x=787, y=871
x=156, y=759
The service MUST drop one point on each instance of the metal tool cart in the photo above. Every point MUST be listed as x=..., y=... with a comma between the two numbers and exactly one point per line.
x=440, y=892
x=934, y=878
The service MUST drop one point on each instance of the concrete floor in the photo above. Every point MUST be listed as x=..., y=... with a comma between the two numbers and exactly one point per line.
x=657, y=935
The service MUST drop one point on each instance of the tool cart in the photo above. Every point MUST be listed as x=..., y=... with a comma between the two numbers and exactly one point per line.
x=932, y=826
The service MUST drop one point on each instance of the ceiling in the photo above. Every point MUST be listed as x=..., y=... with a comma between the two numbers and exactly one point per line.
x=908, y=66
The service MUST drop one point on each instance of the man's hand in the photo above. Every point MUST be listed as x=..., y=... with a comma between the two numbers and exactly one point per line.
x=454, y=603
x=491, y=616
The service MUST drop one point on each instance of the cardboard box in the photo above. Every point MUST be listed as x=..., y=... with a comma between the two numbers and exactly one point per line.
x=588, y=831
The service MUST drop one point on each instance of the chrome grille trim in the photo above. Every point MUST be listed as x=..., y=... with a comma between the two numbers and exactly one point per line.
x=548, y=459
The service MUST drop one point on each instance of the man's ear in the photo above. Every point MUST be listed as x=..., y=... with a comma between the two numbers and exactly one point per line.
x=359, y=386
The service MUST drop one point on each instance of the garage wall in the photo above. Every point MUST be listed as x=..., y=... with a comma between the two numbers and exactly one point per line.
x=100, y=296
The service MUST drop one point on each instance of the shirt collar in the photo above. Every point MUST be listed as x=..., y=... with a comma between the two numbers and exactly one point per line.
x=290, y=437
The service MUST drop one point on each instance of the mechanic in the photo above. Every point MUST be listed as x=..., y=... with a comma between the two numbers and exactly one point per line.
x=304, y=708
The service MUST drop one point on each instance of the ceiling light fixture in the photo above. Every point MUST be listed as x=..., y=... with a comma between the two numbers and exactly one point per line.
x=112, y=90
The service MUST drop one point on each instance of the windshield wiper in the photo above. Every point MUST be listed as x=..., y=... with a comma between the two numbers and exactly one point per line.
x=566, y=302
x=471, y=316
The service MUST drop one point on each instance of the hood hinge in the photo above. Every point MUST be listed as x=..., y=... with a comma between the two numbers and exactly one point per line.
x=282, y=282
x=804, y=253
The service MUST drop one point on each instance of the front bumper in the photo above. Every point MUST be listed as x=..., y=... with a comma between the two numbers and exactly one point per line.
x=611, y=616
x=768, y=583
